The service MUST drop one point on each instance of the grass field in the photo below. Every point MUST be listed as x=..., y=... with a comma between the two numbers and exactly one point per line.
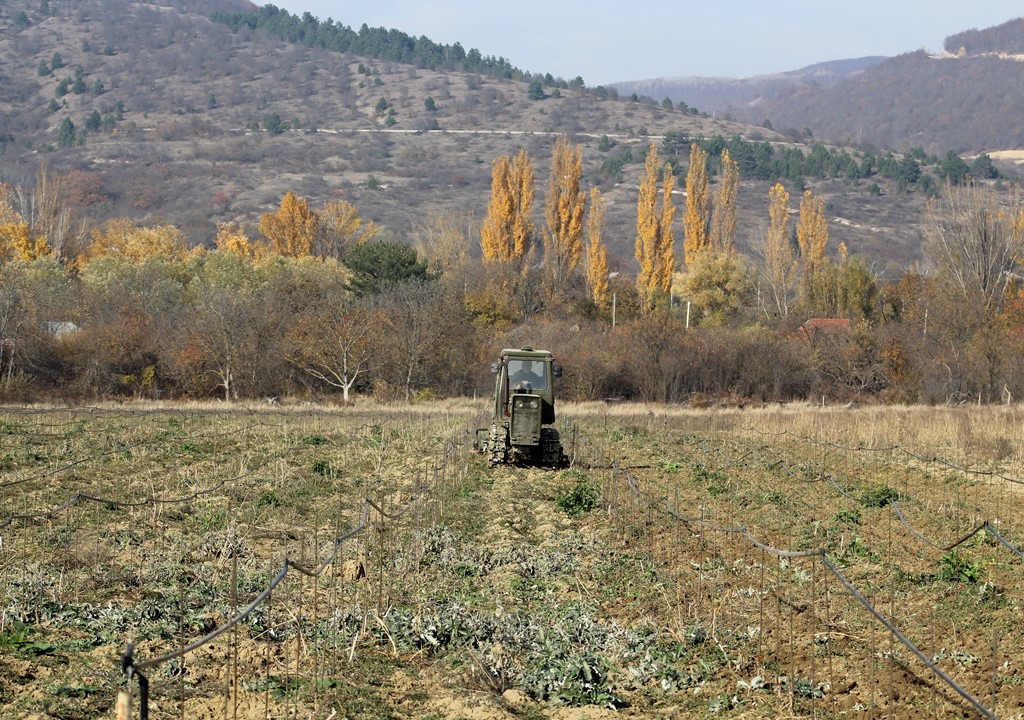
x=687, y=564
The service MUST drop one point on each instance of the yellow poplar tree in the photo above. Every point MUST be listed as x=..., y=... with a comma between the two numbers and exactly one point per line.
x=698, y=205
x=291, y=229
x=779, y=262
x=812, y=237
x=597, y=253
x=507, y=230
x=723, y=221
x=563, y=241
x=654, y=236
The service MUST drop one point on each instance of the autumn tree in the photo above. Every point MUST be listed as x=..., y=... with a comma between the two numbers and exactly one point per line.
x=32, y=295
x=654, y=236
x=231, y=238
x=130, y=308
x=121, y=236
x=716, y=284
x=43, y=207
x=332, y=344
x=975, y=243
x=339, y=228
x=507, y=230
x=292, y=228
x=224, y=341
x=566, y=202
x=18, y=243
x=443, y=240
x=698, y=205
x=723, y=220
x=597, y=253
x=812, y=237
x=780, y=266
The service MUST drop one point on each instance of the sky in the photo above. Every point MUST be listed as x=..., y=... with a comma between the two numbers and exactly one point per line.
x=607, y=41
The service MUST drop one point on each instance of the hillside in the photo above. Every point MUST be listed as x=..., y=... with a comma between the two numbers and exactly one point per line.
x=958, y=100
x=155, y=112
x=717, y=95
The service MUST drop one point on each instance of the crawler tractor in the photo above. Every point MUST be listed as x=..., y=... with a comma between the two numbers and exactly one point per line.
x=524, y=404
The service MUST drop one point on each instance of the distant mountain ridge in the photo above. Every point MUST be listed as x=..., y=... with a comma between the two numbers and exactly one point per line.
x=721, y=94
x=966, y=99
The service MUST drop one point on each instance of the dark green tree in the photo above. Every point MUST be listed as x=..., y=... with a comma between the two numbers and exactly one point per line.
x=43, y=68
x=376, y=265
x=381, y=106
x=983, y=168
x=273, y=123
x=78, y=86
x=56, y=62
x=536, y=91
x=66, y=134
x=92, y=123
x=953, y=169
x=429, y=104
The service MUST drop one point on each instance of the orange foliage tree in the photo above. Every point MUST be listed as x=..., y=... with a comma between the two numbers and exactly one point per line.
x=292, y=228
x=723, y=220
x=339, y=228
x=812, y=237
x=597, y=253
x=698, y=205
x=123, y=237
x=654, y=237
x=507, y=229
x=566, y=202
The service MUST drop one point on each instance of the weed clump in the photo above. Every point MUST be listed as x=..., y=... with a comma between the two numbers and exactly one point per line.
x=957, y=568
x=879, y=497
x=579, y=498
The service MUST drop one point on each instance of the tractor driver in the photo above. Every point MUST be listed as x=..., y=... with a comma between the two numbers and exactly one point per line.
x=526, y=375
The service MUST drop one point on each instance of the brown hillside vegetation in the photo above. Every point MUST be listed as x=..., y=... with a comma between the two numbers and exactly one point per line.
x=180, y=133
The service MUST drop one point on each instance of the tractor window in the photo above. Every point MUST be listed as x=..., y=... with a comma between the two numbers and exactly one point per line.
x=527, y=375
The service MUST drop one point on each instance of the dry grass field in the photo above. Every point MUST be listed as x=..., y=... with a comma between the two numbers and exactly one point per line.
x=312, y=562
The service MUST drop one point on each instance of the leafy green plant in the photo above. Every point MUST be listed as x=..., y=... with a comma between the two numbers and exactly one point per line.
x=849, y=517
x=578, y=499
x=268, y=498
x=879, y=497
x=323, y=466
x=957, y=568
x=19, y=639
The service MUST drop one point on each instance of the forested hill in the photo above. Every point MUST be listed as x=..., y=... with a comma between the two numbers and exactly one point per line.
x=376, y=43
